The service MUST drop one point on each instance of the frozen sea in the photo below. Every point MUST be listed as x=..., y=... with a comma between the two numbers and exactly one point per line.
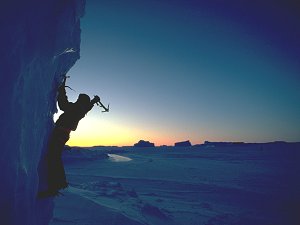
x=240, y=185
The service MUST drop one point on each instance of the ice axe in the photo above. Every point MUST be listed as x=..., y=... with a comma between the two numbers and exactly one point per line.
x=106, y=109
x=64, y=81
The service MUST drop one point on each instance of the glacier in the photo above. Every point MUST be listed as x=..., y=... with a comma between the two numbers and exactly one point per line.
x=39, y=41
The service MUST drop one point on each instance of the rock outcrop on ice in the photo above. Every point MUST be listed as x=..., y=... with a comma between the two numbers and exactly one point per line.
x=39, y=41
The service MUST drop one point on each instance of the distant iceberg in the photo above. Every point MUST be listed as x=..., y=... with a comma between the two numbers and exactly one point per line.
x=183, y=144
x=143, y=143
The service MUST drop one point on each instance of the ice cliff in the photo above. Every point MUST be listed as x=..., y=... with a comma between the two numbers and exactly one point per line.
x=39, y=41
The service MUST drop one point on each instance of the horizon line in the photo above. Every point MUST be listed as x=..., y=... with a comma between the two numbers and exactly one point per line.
x=209, y=142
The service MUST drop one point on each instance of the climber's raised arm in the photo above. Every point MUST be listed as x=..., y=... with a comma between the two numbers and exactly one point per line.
x=62, y=98
x=94, y=101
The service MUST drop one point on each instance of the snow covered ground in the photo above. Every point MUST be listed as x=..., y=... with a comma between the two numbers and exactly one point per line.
x=181, y=186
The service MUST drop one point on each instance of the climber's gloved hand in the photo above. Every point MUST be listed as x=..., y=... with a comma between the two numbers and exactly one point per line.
x=95, y=99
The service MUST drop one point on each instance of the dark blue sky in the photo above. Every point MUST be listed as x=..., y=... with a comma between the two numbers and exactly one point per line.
x=178, y=70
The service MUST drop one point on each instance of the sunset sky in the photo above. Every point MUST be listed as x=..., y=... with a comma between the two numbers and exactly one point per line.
x=189, y=70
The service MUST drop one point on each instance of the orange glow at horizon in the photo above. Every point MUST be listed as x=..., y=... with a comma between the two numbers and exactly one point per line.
x=103, y=132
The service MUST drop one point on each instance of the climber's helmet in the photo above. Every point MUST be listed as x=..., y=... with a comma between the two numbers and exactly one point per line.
x=83, y=100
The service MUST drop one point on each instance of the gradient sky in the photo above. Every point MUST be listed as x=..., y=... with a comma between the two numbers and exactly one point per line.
x=189, y=70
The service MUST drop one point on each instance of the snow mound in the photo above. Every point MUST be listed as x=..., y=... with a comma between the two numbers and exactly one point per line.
x=152, y=210
x=118, y=158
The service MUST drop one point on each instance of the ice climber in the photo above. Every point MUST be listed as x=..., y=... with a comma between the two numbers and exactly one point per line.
x=67, y=122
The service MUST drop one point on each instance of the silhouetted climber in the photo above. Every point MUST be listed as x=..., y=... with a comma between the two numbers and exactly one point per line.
x=67, y=122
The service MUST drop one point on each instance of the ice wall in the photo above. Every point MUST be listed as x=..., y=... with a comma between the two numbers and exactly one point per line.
x=35, y=42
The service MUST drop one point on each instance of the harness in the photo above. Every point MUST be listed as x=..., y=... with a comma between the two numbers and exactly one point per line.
x=63, y=134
